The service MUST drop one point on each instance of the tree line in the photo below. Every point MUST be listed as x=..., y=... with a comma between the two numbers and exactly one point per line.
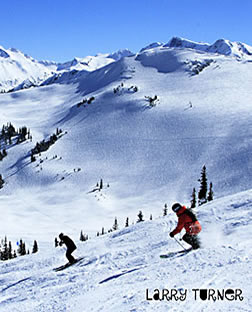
x=7, y=252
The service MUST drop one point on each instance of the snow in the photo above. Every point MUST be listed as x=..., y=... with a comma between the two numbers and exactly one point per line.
x=221, y=46
x=147, y=156
x=118, y=268
x=18, y=70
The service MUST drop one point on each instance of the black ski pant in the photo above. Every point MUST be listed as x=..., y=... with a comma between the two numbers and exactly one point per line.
x=192, y=240
x=70, y=258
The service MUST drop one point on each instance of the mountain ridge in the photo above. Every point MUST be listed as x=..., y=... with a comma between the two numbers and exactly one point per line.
x=21, y=71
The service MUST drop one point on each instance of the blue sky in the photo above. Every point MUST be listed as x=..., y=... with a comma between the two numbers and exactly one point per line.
x=62, y=29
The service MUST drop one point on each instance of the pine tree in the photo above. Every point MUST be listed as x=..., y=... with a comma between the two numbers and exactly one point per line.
x=5, y=250
x=103, y=231
x=10, y=255
x=193, y=200
x=165, y=210
x=35, y=247
x=210, y=193
x=151, y=217
x=140, y=217
x=115, y=226
x=1, y=181
x=101, y=185
x=33, y=158
x=21, y=249
x=202, y=195
x=82, y=237
x=127, y=222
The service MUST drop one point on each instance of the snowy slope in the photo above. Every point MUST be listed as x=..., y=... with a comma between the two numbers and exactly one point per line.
x=148, y=156
x=118, y=268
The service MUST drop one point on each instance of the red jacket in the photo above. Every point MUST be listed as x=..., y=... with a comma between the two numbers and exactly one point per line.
x=185, y=221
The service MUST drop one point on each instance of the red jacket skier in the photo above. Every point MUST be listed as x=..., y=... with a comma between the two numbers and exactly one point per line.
x=187, y=220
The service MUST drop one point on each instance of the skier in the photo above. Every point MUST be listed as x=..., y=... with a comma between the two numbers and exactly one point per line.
x=187, y=220
x=64, y=239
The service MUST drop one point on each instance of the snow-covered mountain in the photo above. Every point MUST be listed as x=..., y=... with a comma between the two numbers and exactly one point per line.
x=19, y=71
x=226, y=47
x=15, y=67
x=144, y=125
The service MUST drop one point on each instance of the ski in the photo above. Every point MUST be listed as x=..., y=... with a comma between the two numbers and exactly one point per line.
x=62, y=267
x=174, y=253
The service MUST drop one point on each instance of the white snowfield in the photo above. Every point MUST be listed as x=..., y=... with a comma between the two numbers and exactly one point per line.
x=122, y=271
x=154, y=120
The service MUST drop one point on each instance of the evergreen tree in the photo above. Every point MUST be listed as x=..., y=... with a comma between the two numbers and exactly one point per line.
x=82, y=237
x=127, y=222
x=151, y=217
x=101, y=185
x=1, y=181
x=21, y=249
x=165, y=210
x=210, y=193
x=35, y=247
x=103, y=231
x=10, y=256
x=202, y=195
x=115, y=226
x=140, y=217
x=33, y=158
x=193, y=200
x=5, y=252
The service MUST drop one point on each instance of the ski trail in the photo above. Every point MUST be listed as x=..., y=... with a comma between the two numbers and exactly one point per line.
x=14, y=284
x=120, y=274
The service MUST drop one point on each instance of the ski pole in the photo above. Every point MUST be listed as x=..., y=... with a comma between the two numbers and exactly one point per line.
x=179, y=243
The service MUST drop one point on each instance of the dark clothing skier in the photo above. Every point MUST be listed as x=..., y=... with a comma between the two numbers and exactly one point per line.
x=187, y=220
x=64, y=239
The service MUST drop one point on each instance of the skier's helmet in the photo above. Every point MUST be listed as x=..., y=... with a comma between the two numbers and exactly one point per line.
x=61, y=235
x=176, y=207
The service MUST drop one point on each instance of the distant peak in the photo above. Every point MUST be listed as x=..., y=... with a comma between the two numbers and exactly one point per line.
x=177, y=42
x=120, y=54
x=3, y=53
x=152, y=46
x=220, y=46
